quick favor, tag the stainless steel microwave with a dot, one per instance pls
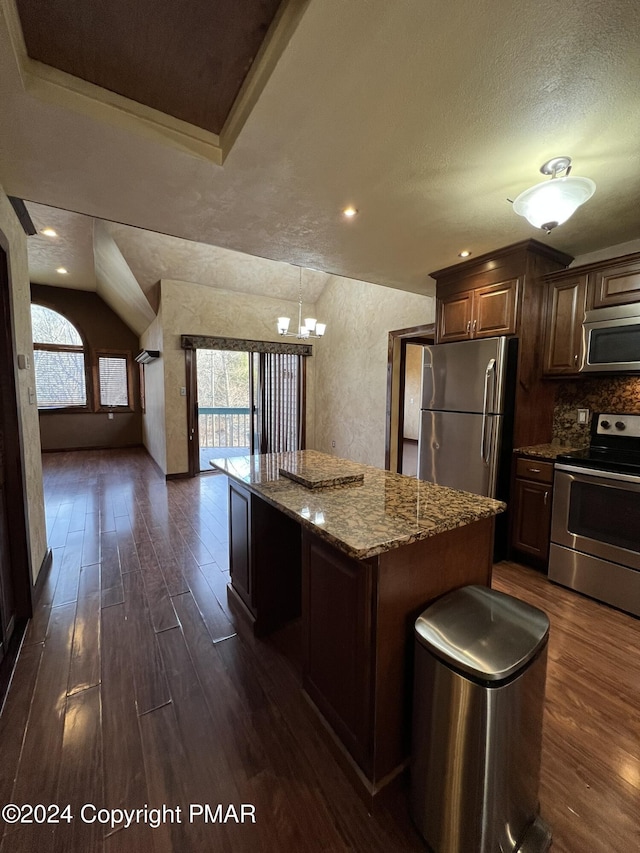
(611, 340)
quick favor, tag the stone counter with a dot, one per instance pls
(549, 451)
(381, 512)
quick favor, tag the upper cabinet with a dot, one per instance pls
(480, 313)
(573, 292)
(618, 283)
(563, 342)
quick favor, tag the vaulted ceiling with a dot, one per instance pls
(425, 116)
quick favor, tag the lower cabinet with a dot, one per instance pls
(531, 511)
(264, 560)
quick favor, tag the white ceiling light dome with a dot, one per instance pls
(550, 203)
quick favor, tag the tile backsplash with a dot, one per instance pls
(616, 394)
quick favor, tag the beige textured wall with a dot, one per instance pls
(191, 309)
(153, 419)
(412, 382)
(351, 364)
(13, 241)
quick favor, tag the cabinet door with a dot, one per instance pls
(240, 564)
(563, 348)
(454, 317)
(617, 285)
(532, 523)
(494, 309)
(337, 594)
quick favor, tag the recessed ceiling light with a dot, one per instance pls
(464, 253)
(349, 211)
(49, 232)
(62, 271)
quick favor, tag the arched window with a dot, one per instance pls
(59, 360)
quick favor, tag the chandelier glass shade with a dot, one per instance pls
(550, 203)
(311, 328)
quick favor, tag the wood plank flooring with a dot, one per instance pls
(134, 687)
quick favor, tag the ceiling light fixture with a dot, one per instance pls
(464, 253)
(550, 203)
(349, 212)
(49, 232)
(311, 327)
(62, 271)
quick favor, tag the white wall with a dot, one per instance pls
(351, 364)
(13, 241)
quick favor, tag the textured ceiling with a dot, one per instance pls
(187, 59)
(425, 116)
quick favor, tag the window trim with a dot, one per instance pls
(103, 352)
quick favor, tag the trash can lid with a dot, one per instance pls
(482, 632)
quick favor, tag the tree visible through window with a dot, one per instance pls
(59, 360)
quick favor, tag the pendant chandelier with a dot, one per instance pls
(309, 329)
(550, 203)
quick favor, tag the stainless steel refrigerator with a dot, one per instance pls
(466, 422)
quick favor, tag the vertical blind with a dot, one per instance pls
(280, 402)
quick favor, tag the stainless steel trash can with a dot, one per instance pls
(480, 671)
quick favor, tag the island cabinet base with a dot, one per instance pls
(357, 621)
(264, 561)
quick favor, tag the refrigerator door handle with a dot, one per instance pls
(485, 446)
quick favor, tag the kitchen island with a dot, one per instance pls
(356, 553)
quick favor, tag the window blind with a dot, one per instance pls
(112, 375)
(60, 379)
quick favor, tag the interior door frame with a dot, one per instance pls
(396, 365)
(14, 476)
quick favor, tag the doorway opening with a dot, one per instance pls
(404, 371)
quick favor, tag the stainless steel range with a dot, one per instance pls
(595, 526)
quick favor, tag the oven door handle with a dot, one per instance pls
(597, 473)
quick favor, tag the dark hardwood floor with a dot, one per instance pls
(134, 689)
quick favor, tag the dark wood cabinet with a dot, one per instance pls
(618, 283)
(563, 340)
(480, 313)
(504, 293)
(264, 561)
(454, 317)
(572, 292)
(531, 511)
(494, 309)
(240, 567)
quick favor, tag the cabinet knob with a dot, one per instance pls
(546, 495)
(474, 325)
(535, 470)
(575, 359)
(468, 325)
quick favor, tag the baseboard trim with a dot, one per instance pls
(184, 475)
(92, 447)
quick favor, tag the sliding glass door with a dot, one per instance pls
(244, 397)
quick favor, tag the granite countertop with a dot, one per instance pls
(381, 512)
(546, 451)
